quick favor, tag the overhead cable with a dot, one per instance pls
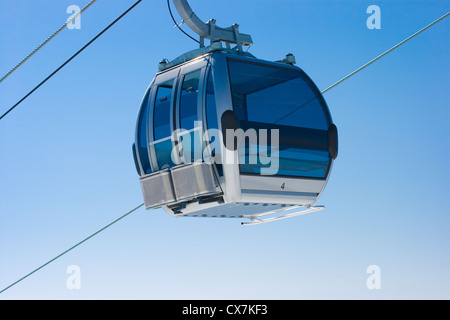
(71, 248)
(70, 59)
(75, 16)
(386, 52)
(178, 25)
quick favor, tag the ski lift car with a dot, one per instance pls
(221, 133)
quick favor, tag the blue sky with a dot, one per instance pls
(66, 168)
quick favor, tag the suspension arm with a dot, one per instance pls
(209, 30)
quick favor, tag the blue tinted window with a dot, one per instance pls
(163, 150)
(188, 101)
(161, 125)
(191, 142)
(291, 161)
(161, 121)
(142, 142)
(266, 97)
(276, 95)
(296, 105)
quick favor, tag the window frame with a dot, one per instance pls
(177, 73)
(169, 108)
(191, 67)
(199, 114)
(160, 79)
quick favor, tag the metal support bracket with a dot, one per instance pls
(255, 219)
(210, 30)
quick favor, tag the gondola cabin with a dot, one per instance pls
(229, 135)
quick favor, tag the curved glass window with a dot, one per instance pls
(161, 114)
(188, 100)
(142, 140)
(190, 126)
(270, 98)
(161, 125)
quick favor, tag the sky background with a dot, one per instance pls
(66, 167)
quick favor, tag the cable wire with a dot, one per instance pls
(71, 248)
(177, 25)
(366, 65)
(118, 219)
(386, 52)
(70, 59)
(47, 40)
